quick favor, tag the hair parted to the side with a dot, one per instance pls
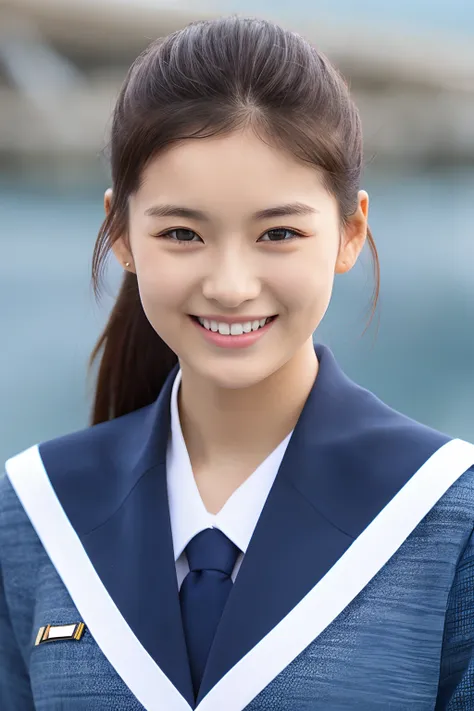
(209, 79)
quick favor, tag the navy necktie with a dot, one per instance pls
(203, 594)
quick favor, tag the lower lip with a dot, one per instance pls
(242, 341)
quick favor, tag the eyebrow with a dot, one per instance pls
(293, 208)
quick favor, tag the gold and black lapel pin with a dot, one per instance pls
(55, 633)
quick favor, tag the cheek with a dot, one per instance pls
(306, 284)
(162, 287)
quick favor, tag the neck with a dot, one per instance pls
(222, 424)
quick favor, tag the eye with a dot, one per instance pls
(279, 234)
(181, 235)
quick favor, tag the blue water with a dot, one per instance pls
(451, 16)
(420, 360)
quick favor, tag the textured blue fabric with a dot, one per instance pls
(348, 456)
(60, 676)
(405, 643)
(203, 594)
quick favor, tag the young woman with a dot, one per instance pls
(242, 526)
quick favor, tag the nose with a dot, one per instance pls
(231, 280)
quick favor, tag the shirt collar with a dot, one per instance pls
(239, 515)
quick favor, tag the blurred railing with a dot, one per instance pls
(61, 64)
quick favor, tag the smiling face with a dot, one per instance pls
(225, 232)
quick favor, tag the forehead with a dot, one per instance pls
(235, 170)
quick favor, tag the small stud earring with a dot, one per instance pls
(127, 264)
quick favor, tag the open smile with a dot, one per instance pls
(233, 333)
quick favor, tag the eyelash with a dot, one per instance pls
(167, 235)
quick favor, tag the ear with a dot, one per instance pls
(120, 247)
(354, 235)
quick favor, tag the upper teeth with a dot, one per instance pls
(234, 329)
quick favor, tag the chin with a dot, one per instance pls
(234, 376)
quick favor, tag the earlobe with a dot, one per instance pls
(343, 265)
(349, 253)
(123, 255)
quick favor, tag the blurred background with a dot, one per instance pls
(411, 69)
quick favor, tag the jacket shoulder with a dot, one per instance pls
(394, 435)
(108, 442)
(112, 438)
(100, 463)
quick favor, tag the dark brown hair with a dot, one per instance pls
(211, 78)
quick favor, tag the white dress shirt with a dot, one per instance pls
(238, 517)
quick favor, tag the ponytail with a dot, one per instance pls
(135, 361)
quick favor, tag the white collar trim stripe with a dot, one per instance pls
(352, 572)
(108, 627)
